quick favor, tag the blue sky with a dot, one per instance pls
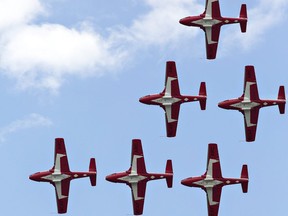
(76, 69)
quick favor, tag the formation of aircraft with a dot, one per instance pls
(249, 103)
(60, 175)
(210, 21)
(212, 181)
(170, 98)
(136, 176)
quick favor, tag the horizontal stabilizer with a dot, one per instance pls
(243, 14)
(169, 174)
(92, 171)
(281, 96)
(202, 92)
(244, 176)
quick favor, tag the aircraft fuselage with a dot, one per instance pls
(167, 100)
(50, 176)
(204, 21)
(129, 178)
(209, 182)
(241, 104)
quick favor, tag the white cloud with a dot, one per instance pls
(264, 16)
(39, 56)
(161, 25)
(33, 120)
(15, 12)
(43, 55)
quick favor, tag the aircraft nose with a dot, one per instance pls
(143, 100)
(32, 177)
(221, 105)
(183, 21)
(110, 178)
(185, 182)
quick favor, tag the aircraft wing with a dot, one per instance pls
(251, 120)
(138, 196)
(212, 8)
(137, 158)
(250, 91)
(213, 162)
(171, 80)
(213, 200)
(62, 194)
(171, 116)
(60, 157)
(212, 38)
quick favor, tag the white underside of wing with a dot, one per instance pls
(210, 167)
(168, 110)
(207, 23)
(208, 31)
(57, 167)
(58, 186)
(135, 192)
(209, 7)
(247, 90)
(246, 106)
(168, 89)
(209, 192)
(209, 173)
(134, 168)
(247, 114)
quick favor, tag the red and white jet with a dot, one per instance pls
(210, 21)
(212, 181)
(170, 98)
(249, 103)
(136, 176)
(60, 175)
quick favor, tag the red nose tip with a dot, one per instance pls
(185, 182)
(143, 100)
(110, 178)
(183, 21)
(32, 177)
(221, 105)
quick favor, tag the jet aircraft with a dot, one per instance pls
(60, 175)
(136, 176)
(170, 98)
(249, 103)
(210, 21)
(212, 181)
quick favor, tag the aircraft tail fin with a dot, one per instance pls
(281, 96)
(169, 173)
(243, 15)
(244, 176)
(92, 171)
(202, 92)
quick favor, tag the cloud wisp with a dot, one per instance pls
(31, 121)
